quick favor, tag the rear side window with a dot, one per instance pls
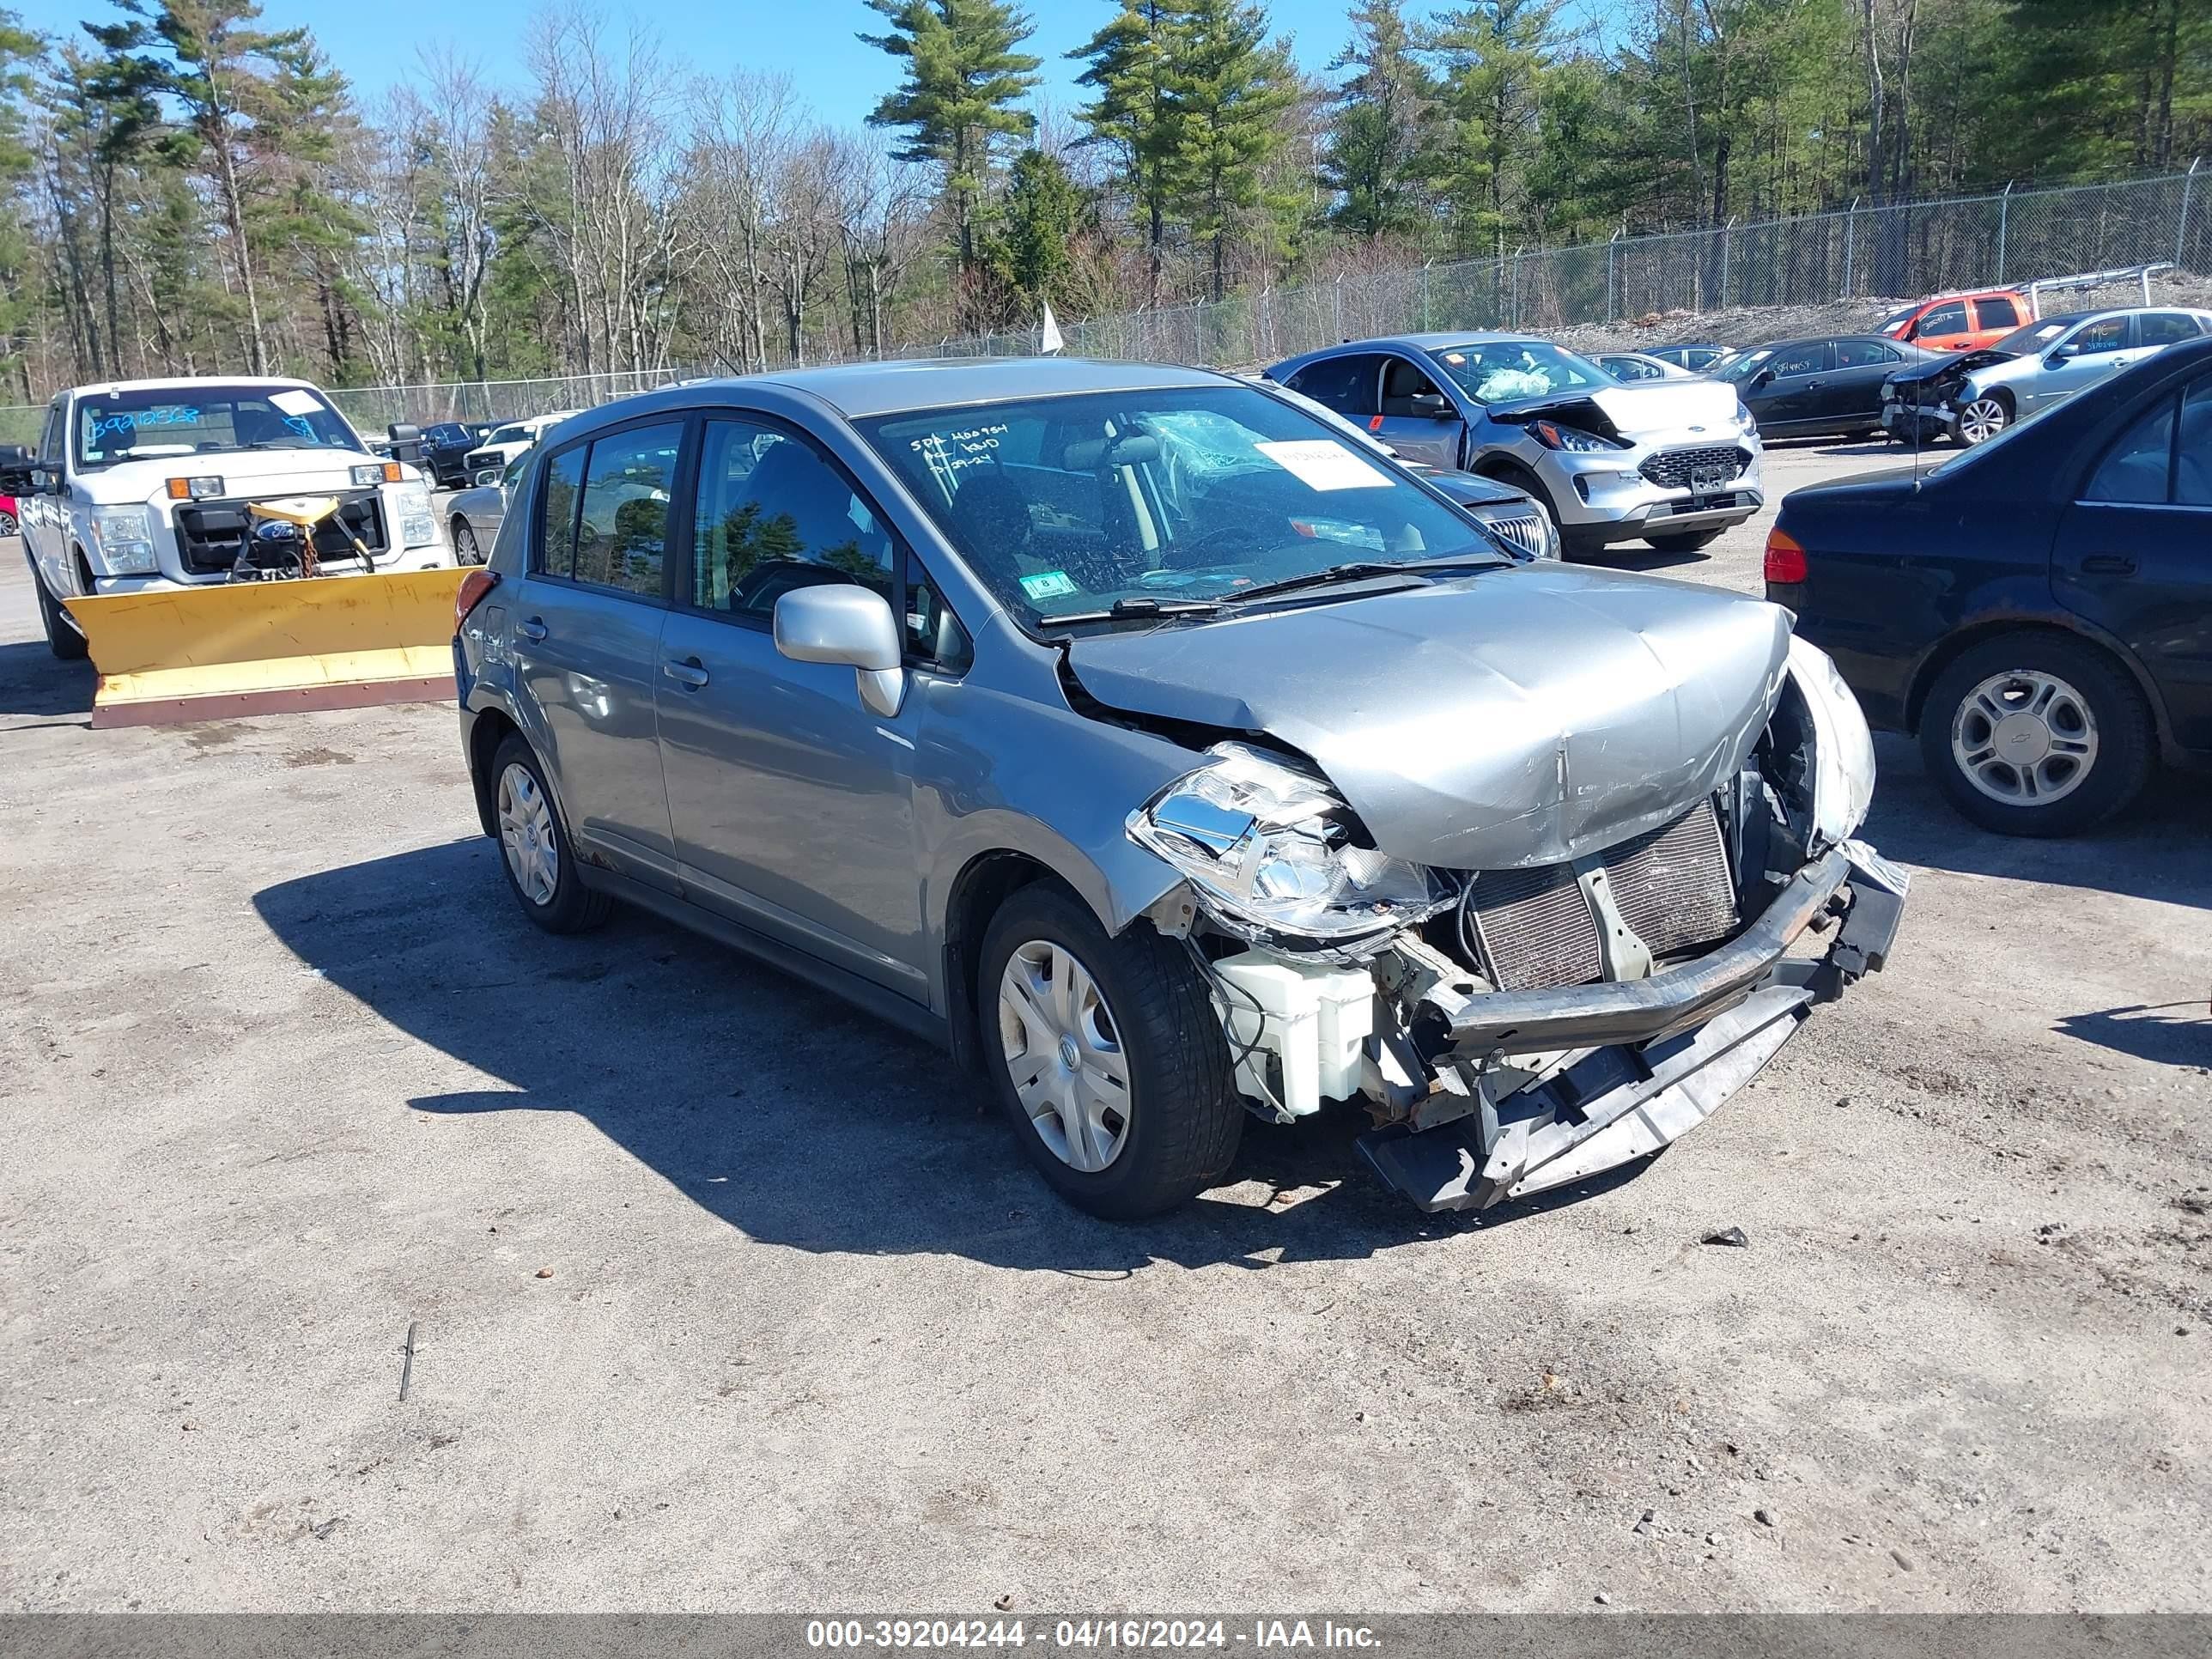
(1346, 384)
(2166, 327)
(554, 553)
(773, 514)
(1864, 353)
(621, 531)
(1997, 312)
(1949, 318)
(2137, 469)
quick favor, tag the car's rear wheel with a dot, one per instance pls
(2036, 734)
(1982, 418)
(1688, 541)
(1107, 1057)
(8, 527)
(62, 637)
(465, 542)
(542, 871)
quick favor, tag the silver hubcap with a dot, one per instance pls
(1983, 419)
(1064, 1053)
(2024, 737)
(464, 541)
(525, 836)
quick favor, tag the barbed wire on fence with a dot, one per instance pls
(1893, 249)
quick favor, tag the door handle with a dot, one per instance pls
(2108, 564)
(690, 672)
(530, 628)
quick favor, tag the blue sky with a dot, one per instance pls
(811, 40)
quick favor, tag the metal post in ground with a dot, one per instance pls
(2004, 215)
(1611, 256)
(2181, 231)
(1340, 305)
(1850, 240)
(1727, 235)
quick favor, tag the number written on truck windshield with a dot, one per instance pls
(203, 420)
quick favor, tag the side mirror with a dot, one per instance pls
(45, 482)
(1761, 380)
(1434, 404)
(406, 442)
(16, 478)
(2065, 354)
(845, 624)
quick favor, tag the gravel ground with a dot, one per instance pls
(726, 1298)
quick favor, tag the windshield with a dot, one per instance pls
(1742, 365)
(1063, 506)
(1504, 371)
(511, 435)
(1899, 317)
(213, 419)
(2023, 340)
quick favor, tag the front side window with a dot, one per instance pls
(2137, 469)
(1950, 317)
(775, 514)
(2105, 334)
(934, 638)
(622, 524)
(1346, 384)
(2192, 448)
(1864, 353)
(207, 418)
(1504, 371)
(1188, 495)
(1402, 382)
(1631, 368)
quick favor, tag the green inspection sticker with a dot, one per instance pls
(1049, 585)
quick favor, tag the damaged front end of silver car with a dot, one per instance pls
(1516, 1027)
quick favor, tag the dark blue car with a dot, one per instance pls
(2038, 610)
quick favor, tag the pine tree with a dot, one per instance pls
(1042, 207)
(963, 81)
(1492, 57)
(1379, 122)
(1138, 112)
(1231, 85)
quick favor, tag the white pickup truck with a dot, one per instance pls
(141, 485)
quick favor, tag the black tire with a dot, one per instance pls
(1688, 542)
(465, 550)
(2118, 724)
(569, 906)
(1996, 413)
(8, 525)
(62, 637)
(1184, 1118)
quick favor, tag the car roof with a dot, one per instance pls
(190, 382)
(858, 391)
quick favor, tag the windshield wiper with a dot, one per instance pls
(1359, 568)
(1137, 610)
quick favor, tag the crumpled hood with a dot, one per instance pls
(1516, 717)
(1653, 410)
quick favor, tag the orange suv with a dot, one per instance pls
(1960, 322)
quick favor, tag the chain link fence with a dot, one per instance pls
(1903, 249)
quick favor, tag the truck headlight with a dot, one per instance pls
(418, 525)
(1271, 850)
(1745, 420)
(1843, 748)
(124, 537)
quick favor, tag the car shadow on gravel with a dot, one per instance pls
(796, 1119)
(37, 685)
(2160, 848)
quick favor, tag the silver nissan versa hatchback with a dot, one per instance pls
(1167, 757)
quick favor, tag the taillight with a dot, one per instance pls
(474, 586)
(1785, 559)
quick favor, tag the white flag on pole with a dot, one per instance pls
(1050, 341)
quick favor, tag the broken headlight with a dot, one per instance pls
(1271, 850)
(1843, 748)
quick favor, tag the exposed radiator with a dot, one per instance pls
(1533, 929)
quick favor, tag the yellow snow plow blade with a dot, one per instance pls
(262, 648)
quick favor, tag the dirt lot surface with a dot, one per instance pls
(725, 1298)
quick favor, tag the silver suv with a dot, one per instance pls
(1670, 462)
(1169, 759)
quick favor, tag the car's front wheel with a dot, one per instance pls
(1106, 1055)
(62, 637)
(2036, 734)
(8, 527)
(465, 542)
(1982, 418)
(541, 866)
